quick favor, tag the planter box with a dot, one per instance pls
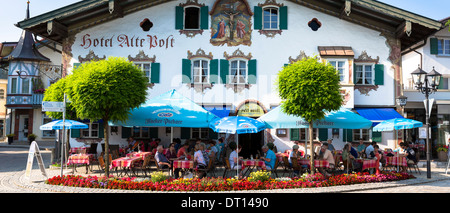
(442, 156)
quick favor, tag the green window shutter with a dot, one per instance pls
(224, 70)
(252, 71)
(212, 134)
(185, 133)
(294, 134)
(348, 135)
(323, 134)
(204, 18)
(283, 11)
(126, 132)
(154, 78)
(186, 78)
(354, 72)
(153, 132)
(75, 65)
(441, 83)
(285, 65)
(101, 130)
(434, 46)
(75, 133)
(257, 14)
(179, 18)
(214, 71)
(379, 74)
(376, 137)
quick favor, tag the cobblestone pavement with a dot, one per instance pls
(13, 165)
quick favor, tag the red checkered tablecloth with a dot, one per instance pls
(317, 163)
(183, 164)
(367, 163)
(252, 163)
(124, 162)
(400, 161)
(80, 159)
(78, 150)
(139, 154)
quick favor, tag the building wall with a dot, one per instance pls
(271, 53)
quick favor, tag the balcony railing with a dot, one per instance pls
(24, 100)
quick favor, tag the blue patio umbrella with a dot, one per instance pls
(170, 109)
(339, 119)
(397, 124)
(236, 125)
(68, 124)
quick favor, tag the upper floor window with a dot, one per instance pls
(200, 71)
(192, 18)
(364, 74)
(270, 18)
(443, 47)
(340, 66)
(13, 88)
(146, 68)
(238, 72)
(91, 132)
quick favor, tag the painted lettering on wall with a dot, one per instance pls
(124, 40)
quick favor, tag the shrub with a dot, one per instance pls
(158, 177)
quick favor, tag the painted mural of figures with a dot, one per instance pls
(240, 29)
(220, 30)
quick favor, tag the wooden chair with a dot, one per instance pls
(160, 169)
(142, 166)
(296, 167)
(275, 167)
(414, 165)
(210, 168)
(287, 167)
(227, 167)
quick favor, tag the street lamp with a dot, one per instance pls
(427, 83)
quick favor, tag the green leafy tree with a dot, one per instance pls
(309, 88)
(106, 90)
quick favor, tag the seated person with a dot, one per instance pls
(269, 157)
(199, 159)
(163, 162)
(325, 154)
(183, 151)
(410, 154)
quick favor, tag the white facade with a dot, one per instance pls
(169, 47)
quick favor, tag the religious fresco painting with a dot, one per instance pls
(231, 23)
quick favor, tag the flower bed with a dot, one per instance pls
(221, 184)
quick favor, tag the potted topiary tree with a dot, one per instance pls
(10, 138)
(31, 138)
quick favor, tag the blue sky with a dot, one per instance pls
(13, 11)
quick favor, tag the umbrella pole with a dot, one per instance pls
(237, 164)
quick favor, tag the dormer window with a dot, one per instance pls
(191, 18)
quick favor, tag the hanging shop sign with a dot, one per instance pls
(250, 109)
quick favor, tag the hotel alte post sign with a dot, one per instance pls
(250, 109)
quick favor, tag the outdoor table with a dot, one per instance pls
(78, 150)
(396, 161)
(76, 159)
(317, 163)
(139, 154)
(184, 165)
(125, 163)
(281, 155)
(367, 163)
(251, 164)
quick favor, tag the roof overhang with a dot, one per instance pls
(408, 27)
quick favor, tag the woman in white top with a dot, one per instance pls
(234, 155)
(198, 155)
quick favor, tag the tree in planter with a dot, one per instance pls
(308, 89)
(107, 90)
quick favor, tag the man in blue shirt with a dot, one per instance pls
(269, 158)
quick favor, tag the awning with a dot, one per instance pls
(377, 115)
(220, 112)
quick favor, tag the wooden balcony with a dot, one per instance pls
(24, 101)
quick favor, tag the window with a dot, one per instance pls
(361, 133)
(47, 133)
(200, 71)
(192, 18)
(26, 86)
(91, 132)
(238, 72)
(200, 132)
(443, 47)
(270, 18)
(304, 134)
(141, 132)
(364, 74)
(146, 68)
(2, 94)
(340, 66)
(13, 85)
